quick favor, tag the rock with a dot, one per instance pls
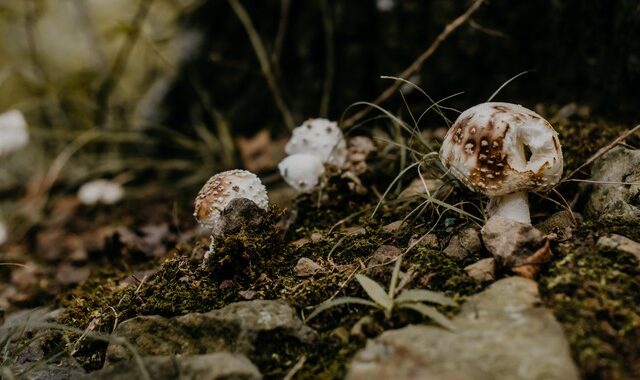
(482, 271)
(616, 202)
(502, 333)
(463, 244)
(307, 267)
(236, 327)
(516, 245)
(426, 240)
(417, 187)
(241, 213)
(620, 243)
(383, 255)
(216, 366)
(393, 226)
(359, 149)
(66, 369)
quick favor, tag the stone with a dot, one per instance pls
(216, 366)
(417, 187)
(307, 267)
(394, 226)
(616, 202)
(383, 255)
(620, 243)
(502, 333)
(515, 245)
(427, 240)
(483, 270)
(237, 327)
(463, 244)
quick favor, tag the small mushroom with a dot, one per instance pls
(504, 151)
(13, 132)
(100, 191)
(301, 171)
(223, 188)
(319, 137)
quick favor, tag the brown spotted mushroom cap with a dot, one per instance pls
(221, 189)
(502, 148)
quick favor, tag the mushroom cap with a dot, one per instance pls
(301, 171)
(321, 138)
(221, 189)
(486, 149)
(100, 191)
(13, 132)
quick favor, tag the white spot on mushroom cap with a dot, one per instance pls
(302, 171)
(100, 191)
(510, 127)
(13, 132)
(221, 189)
(319, 137)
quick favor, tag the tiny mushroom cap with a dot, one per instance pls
(504, 151)
(221, 189)
(319, 137)
(100, 191)
(13, 132)
(301, 171)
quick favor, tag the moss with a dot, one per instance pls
(595, 294)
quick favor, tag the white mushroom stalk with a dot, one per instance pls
(13, 132)
(504, 151)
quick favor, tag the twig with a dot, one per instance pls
(297, 367)
(601, 152)
(327, 19)
(263, 58)
(120, 62)
(446, 32)
(282, 29)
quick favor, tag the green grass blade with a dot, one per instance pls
(423, 295)
(432, 313)
(339, 301)
(375, 291)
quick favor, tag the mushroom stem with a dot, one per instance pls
(514, 206)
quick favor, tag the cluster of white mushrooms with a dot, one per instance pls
(314, 144)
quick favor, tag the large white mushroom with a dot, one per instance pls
(319, 137)
(504, 151)
(301, 171)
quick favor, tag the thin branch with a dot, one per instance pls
(263, 59)
(282, 30)
(415, 66)
(121, 60)
(327, 21)
(601, 152)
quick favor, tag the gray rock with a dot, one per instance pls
(502, 333)
(519, 246)
(614, 202)
(305, 267)
(620, 243)
(236, 328)
(426, 240)
(482, 271)
(463, 244)
(217, 366)
(383, 255)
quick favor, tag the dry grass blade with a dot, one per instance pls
(601, 152)
(446, 32)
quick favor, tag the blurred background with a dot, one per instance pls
(160, 94)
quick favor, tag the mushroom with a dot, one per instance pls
(220, 190)
(301, 171)
(100, 191)
(13, 132)
(503, 150)
(319, 137)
